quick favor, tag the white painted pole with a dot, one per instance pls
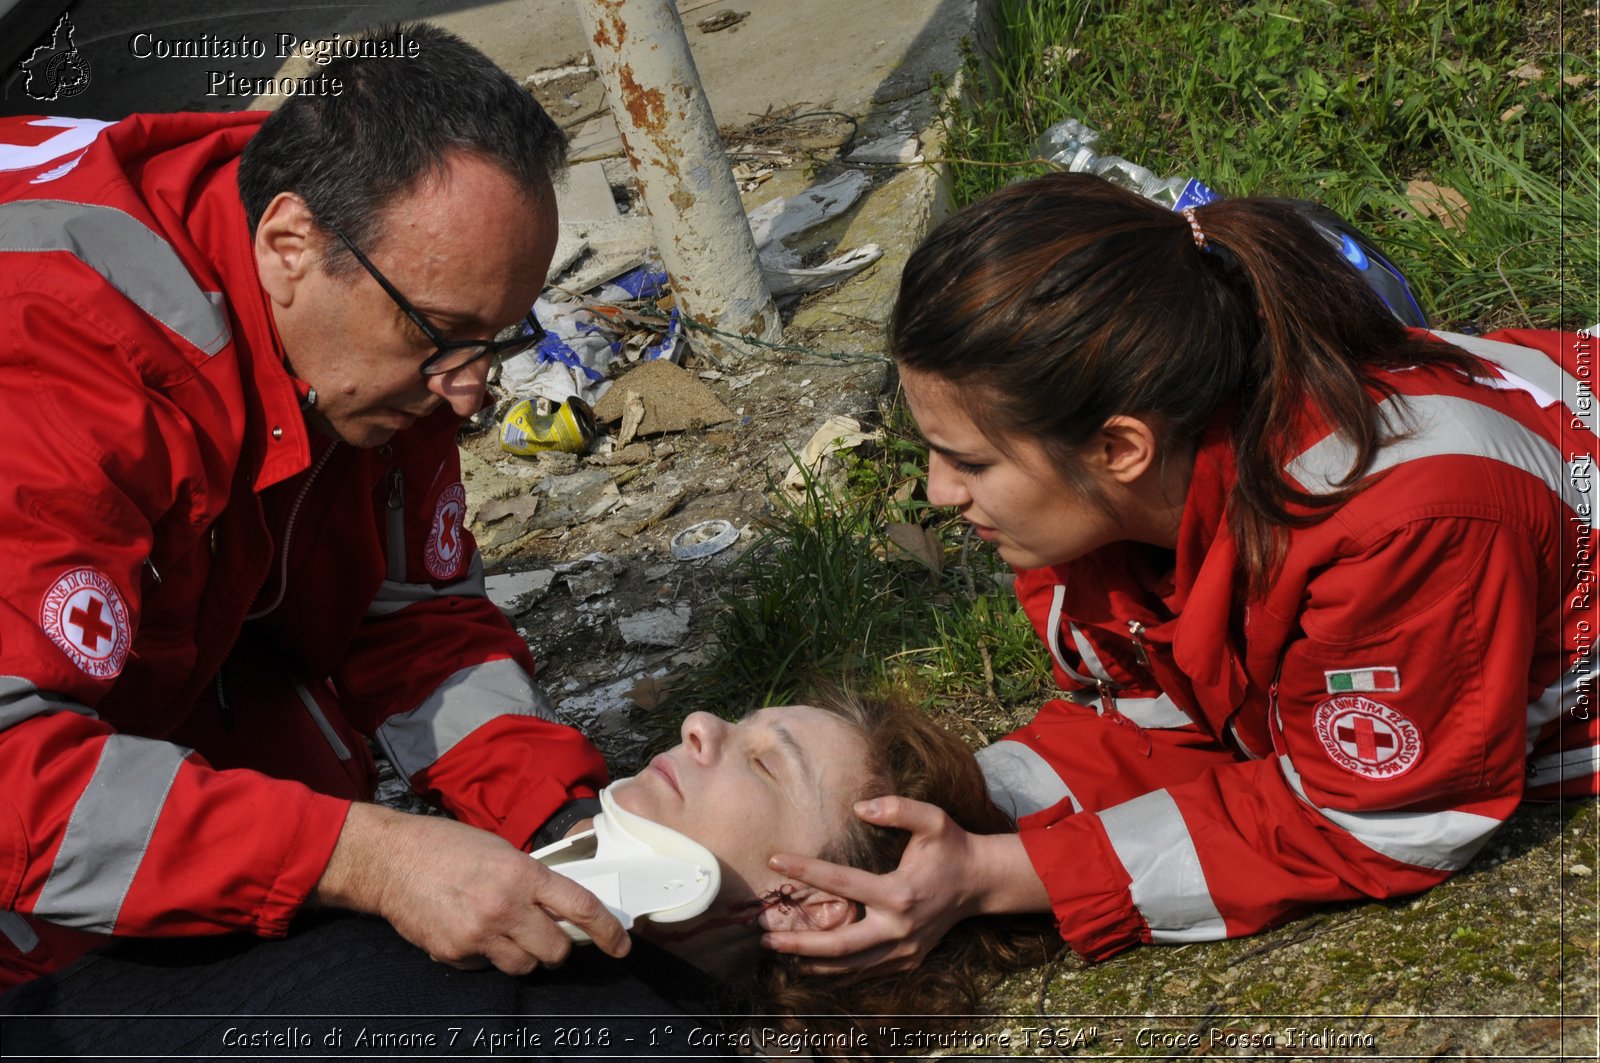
(671, 140)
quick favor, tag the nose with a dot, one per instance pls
(463, 388)
(945, 485)
(703, 735)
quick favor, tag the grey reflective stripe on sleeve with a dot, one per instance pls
(108, 833)
(394, 596)
(464, 702)
(1442, 841)
(1020, 781)
(1168, 886)
(1563, 765)
(320, 718)
(1559, 696)
(1534, 366)
(16, 930)
(21, 700)
(132, 258)
(1442, 425)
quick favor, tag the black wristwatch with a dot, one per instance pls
(555, 828)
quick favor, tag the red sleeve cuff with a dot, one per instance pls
(1087, 885)
(321, 821)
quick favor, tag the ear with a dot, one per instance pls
(285, 246)
(806, 908)
(1125, 449)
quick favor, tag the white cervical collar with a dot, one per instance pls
(637, 867)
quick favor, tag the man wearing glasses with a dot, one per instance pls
(233, 358)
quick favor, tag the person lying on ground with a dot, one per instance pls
(780, 779)
(1317, 589)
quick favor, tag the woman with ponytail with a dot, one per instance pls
(1315, 587)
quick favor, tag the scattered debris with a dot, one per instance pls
(721, 20)
(703, 539)
(892, 149)
(775, 221)
(656, 627)
(517, 592)
(837, 433)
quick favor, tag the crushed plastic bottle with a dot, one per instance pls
(1068, 143)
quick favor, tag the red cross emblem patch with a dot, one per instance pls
(445, 555)
(83, 613)
(1368, 737)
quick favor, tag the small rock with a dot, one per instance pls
(516, 592)
(1581, 870)
(556, 462)
(656, 627)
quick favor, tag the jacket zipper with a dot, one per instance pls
(288, 533)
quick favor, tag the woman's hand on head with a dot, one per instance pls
(945, 875)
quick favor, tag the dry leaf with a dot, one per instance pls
(1575, 81)
(648, 693)
(1512, 112)
(921, 544)
(522, 507)
(1437, 201)
(1528, 72)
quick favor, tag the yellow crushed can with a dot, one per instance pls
(533, 425)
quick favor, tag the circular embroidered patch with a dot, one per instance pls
(1368, 737)
(83, 613)
(444, 554)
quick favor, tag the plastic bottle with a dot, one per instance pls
(1068, 144)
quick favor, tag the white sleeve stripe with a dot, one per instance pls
(394, 596)
(1021, 781)
(1169, 887)
(21, 700)
(1440, 841)
(1563, 765)
(1441, 426)
(108, 833)
(1534, 366)
(462, 703)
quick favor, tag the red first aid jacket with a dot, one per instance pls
(1424, 659)
(160, 486)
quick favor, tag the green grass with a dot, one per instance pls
(1343, 102)
(824, 594)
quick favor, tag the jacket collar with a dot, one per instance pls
(277, 441)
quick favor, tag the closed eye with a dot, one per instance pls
(966, 469)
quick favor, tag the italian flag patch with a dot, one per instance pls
(1362, 680)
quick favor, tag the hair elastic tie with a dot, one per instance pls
(1194, 227)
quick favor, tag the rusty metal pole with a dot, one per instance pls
(671, 141)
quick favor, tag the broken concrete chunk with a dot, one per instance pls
(517, 592)
(656, 627)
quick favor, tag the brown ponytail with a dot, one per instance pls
(1062, 301)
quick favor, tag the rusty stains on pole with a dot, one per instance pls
(671, 141)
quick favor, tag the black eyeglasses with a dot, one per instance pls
(450, 355)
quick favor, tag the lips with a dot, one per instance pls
(663, 767)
